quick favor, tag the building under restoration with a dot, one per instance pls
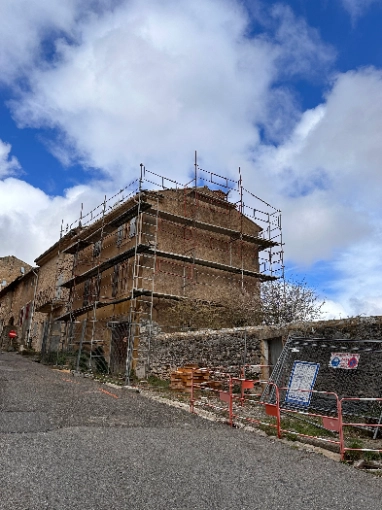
(118, 268)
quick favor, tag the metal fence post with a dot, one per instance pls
(230, 403)
(278, 413)
(340, 428)
(192, 392)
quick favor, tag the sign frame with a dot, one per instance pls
(297, 395)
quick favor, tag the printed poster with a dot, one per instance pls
(301, 382)
(346, 360)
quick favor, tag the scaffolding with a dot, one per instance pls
(159, 240)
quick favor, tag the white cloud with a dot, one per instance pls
(303, 51)
(359, 278)
(30, 220)
(8, 164)
(28, 29)
(23, 26)
(357, 8)
(153, 82)
(328, 172)
(333, 310)
(328, 180)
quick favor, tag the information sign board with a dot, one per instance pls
(301, 382)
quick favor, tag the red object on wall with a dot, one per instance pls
(12, 334)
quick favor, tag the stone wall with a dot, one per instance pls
(225, 348)
(362, 328)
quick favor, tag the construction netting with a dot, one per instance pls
(347, 368)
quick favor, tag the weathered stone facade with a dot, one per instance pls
(16, 309)
(29, 304)
(130, 262)
(11, 268)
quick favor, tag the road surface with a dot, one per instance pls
(69, 443)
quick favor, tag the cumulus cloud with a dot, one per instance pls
(8, 164)
(30, 220)
(302, 50)
(153, 82)
(28, 29)
(358, 285)
(327, 176)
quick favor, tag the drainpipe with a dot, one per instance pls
(32, 311)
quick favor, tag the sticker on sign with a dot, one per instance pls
(346, 360)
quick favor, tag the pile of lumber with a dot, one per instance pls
(182, 378)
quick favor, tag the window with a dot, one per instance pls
(97, 287)
(133, 227)
(114, 281)
(21, 316)
(120, 235)
(124, 278)
(92, 289)
(60, 281)
(86, 297)
(97, 249)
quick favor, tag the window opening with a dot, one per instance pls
(133, 227)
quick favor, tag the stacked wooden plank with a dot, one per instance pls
(182, 378)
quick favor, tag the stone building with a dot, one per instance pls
(12, 271)
(11, 268)
(156, 248)
(30, 303)
(112, 279)
(16, 309)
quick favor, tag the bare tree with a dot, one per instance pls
(289, 301)
(241, 308)
(196, 313)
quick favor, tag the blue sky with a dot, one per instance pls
(289, 91)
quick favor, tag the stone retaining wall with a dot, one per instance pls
(225, 348)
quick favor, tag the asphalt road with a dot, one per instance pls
(65, 443)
